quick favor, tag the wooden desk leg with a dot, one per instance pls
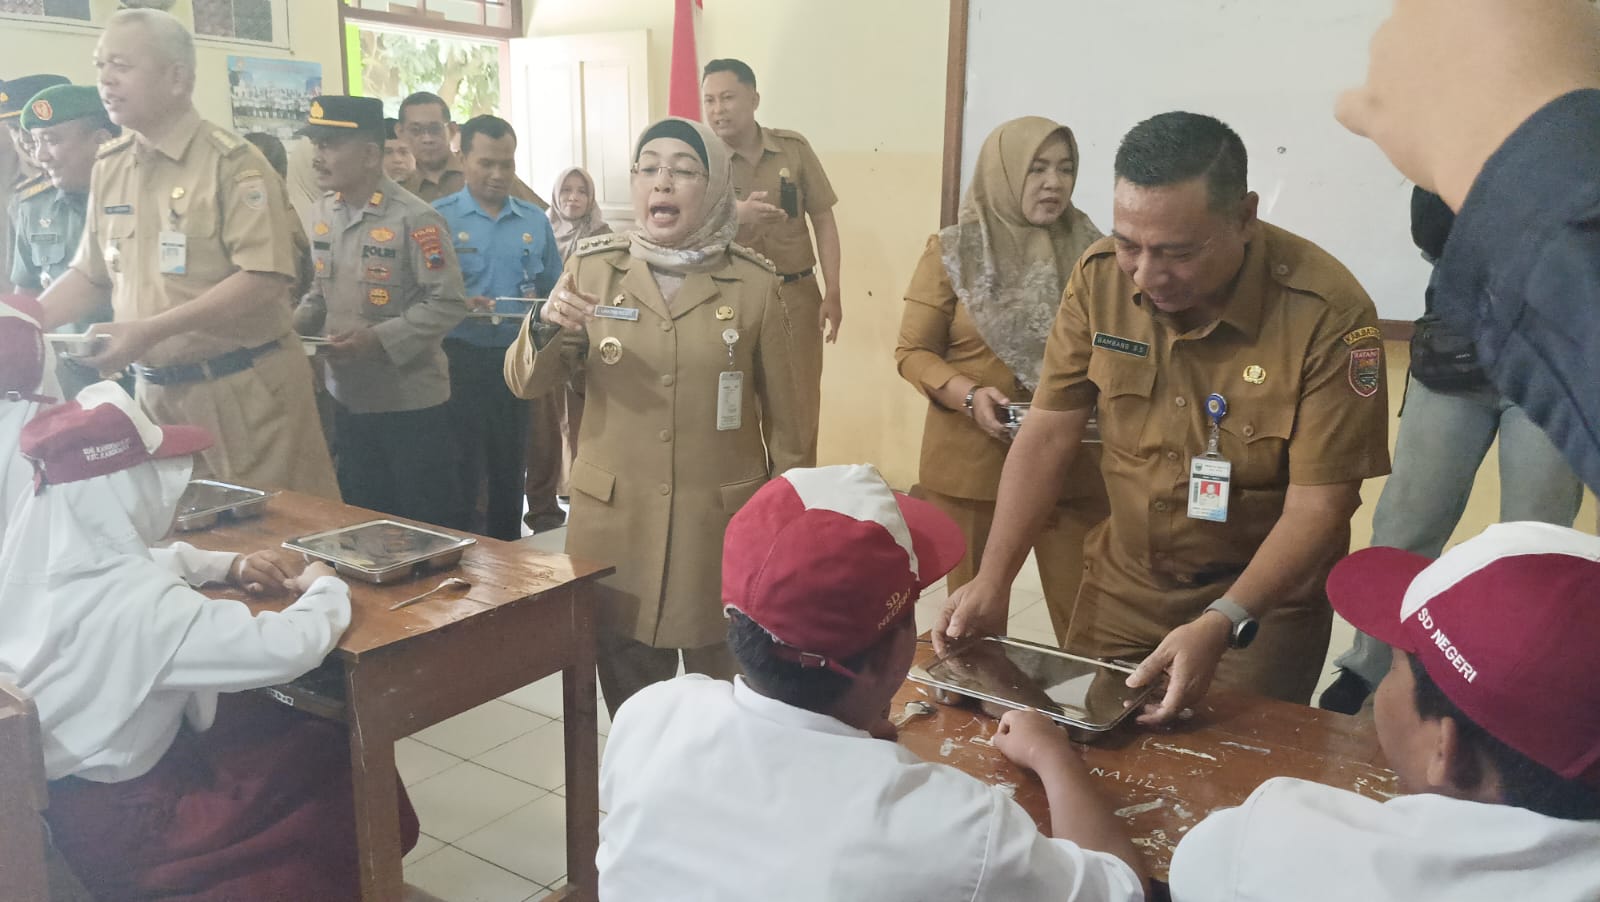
(583, 757)
(376, 793)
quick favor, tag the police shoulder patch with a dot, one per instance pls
(600, 243)
(753, 256)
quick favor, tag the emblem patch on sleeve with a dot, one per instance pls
(1366, 369)
(431, 243)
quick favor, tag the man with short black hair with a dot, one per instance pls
(425, 125)
(777, 786)
(780, 184)
(1216, 349)
(398, 163)
(507, 249)
(386, 290)
(1490, 714)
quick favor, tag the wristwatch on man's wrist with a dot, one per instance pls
(971, 393)
(1244, 627)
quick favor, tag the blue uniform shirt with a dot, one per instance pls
(512, 255)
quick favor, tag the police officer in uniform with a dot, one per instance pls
(386, 289)
(190, 232)
(19, 171)
(780, 184)
(692, 405)
(1238, 372)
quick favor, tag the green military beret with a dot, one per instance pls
(16, 92)
(62, 103)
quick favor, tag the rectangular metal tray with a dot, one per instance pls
(205, 501)
(1084, 694)
(382, 551)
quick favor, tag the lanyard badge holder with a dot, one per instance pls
(1211, 473)
(730, 389)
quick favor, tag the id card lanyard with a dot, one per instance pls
(730, 389)
(173, 244)
(1210, 473)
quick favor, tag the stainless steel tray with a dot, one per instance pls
(1086, 695)
(382, 551)
(205, 501)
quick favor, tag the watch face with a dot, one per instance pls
(1244, 633)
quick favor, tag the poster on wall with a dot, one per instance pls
(231, 21)
(272, 95)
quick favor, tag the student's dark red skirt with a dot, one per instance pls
(256, 809)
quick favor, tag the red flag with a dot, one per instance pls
(683, 96)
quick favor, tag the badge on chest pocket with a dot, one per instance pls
(174, 253)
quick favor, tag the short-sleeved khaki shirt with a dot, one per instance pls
(216, 189)
(787, 244)
(1298, 357)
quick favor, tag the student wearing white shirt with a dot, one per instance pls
(1490, 715)
(22, 366)
(775, 786)
(161, 785)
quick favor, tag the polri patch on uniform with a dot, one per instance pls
(378, 297)
(1366, 366)
(320, 228)
(321, 245)
(431, 243)
(1121, 345)
(1362, 334)
(381, 235)
(119, 210)
(377, 272)
(368, 250)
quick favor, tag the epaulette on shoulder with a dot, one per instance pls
(226, 141)
(33, 188)
(601, 243)
(785, 133)
(740, 250)
(115, 145)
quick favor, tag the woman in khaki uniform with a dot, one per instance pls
(692, 404)
(978, 311)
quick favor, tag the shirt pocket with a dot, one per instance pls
(1125, 385)
(47, 251)
(1256, 441)
(593, 481)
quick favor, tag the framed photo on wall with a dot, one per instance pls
(263, 23)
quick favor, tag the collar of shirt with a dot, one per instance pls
(1245, 295)
(788, 715)
(176, 141)
(376, 203)
(508, 207)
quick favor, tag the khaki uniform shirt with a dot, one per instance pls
(216, 189)
(387, 265)
(1296, 354)
(939, 341)
(454, 178)
(655, 480)
(786, 244)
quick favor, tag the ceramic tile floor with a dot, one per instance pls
(487, 784)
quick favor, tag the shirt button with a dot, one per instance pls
(1181, 402)
(1161, 507)
(1172, 455)
(666, 379)
(664, 435)
(664, 489)
(1281, 269)
(1248, 431)
(666, 327)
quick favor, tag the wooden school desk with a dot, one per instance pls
(1163, 782)
(527, 615)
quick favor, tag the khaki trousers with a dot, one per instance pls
(544, 463)
(802, 298)
(263, 421)
(1058, 548)
(627, 665)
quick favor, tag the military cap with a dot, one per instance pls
(16, 92)
(62, 103)
(334, 115)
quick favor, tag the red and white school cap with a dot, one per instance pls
(22, 353)
(827, 560)
(1506, 623)
(101, 431)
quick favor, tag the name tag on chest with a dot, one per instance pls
(1208, 488)
(174, 253)
(730, 401)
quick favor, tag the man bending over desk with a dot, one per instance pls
(1491, 716)
(774, 786)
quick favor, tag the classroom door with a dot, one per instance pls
(579, 100)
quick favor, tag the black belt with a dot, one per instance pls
(788, 277)
(215, 368)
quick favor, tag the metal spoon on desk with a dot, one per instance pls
(454, 582)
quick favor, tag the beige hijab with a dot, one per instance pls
(571, 231)
(704, 248)
(1007, 271)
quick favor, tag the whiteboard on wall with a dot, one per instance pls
(1271, 69)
